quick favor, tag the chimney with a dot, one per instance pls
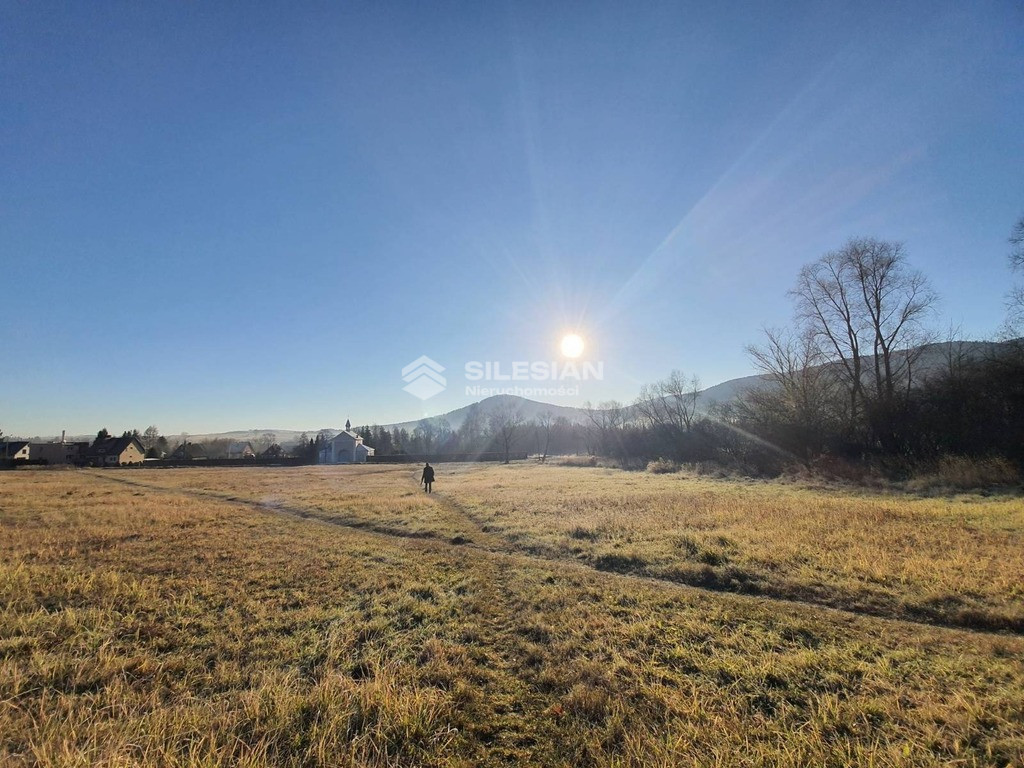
(62, 436)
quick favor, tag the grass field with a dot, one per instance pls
(523, 615)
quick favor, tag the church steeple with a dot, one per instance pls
(348, 425)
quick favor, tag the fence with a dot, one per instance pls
(441, 458)
(288, 461)
(405, 458)
(15, 463)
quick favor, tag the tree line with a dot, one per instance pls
(502, 431)
(861, 374)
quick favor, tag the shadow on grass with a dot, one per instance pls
(951, 611)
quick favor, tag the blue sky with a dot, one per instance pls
(218, 216)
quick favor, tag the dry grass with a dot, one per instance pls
(575, 461)
(964, 473)
(177, 627)
(957, 560)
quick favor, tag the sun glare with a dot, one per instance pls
(572, 345)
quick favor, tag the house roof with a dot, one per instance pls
(11, 447)
(239, 447)
(115, 446)
(189, 450)
(347, 433)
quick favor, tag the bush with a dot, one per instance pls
(578, 461)
(838, 469)
(629, 464)
(717, 469)
(964, 472)
(662, 467)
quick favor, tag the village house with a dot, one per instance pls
(15, 450)
(241, 451)
(187, 451)
(116, 451)
(345, 448)
(60, 452)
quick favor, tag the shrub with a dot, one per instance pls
(629, 464)
(836, 468)
(964, 472)
(578, 461)
(662, 467)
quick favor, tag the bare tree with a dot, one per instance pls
(545, 422)
(150, 436)
(866, 310)
(443, 433)
(957, 362)
(897, 300)
(264, 441)
(1017, 241)
(826, 312)
(795, 365)
(425, 433)
(1015, 298)
(504, 423)
(606, 419)
(801, 392)
(670, 403)
(471, 430)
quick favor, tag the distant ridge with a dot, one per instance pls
(933, 358)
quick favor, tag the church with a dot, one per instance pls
(345, 448)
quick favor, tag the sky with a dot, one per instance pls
(219, 216)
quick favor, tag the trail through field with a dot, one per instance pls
(504, 553)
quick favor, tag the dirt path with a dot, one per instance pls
(486, 544)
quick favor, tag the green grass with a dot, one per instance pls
(324, 617)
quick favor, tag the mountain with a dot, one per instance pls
(533, 409)
(728, 390)
(530, 409)
(932, 358)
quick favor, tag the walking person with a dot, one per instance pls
(427, 478)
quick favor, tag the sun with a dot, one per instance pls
(572, 345)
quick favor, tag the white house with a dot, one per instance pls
(114, 451)
(241, 451)
(15, 449)
(345, 448)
